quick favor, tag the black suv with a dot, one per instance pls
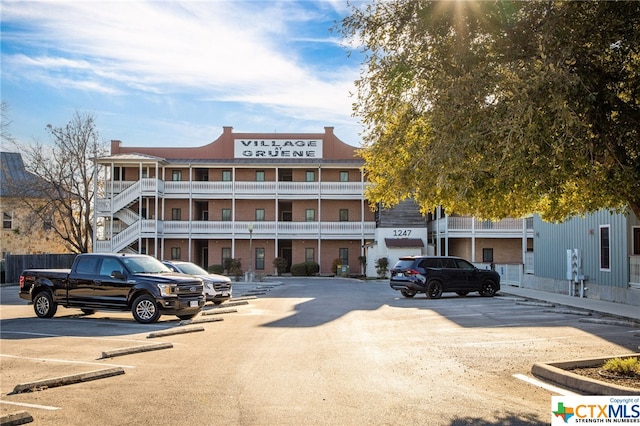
(435, 275)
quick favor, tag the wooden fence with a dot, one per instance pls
(14, 264)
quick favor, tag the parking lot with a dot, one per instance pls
(299, 351)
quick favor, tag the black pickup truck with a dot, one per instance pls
(114, 281)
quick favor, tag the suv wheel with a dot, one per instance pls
(434, 290)
(488, 289)
(407, 293)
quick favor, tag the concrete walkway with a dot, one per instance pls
(610, 309)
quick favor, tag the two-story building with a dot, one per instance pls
(247, 196)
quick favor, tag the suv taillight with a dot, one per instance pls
(411, 272)
(21, 281)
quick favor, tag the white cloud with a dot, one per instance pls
(216, 50)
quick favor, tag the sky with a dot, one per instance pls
(173, 73)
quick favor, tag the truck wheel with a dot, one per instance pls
(44, 306)
(434, 290)
(145, 309)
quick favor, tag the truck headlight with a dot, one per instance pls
(167, 289)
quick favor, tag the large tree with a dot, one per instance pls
(496, 108)
(65, 187)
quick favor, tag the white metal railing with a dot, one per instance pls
(226, 189)
(634, 271)
(127, 216)
(469, 224)
(510, 273)
(119, 240)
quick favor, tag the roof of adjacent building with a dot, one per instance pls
(15, 180)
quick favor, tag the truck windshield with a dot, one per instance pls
(145, 265)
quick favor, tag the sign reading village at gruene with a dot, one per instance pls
(279, 148)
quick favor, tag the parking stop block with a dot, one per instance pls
(18, 418)
(218, 311)
(67, 380)
(174, 331)
(136, 349)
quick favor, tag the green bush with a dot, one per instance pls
(280, 264)
(312, 268)
(299, 269)
(216, 269)
(306, 269)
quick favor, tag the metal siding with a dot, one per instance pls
(551, 242)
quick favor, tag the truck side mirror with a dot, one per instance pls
(117, 275)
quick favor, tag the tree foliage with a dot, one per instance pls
(66, 169)
(499, 108)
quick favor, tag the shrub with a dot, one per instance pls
(280, 263)
(623, 367)
(306, 269)
(312, 268)
(233, 267)
(381, 267)
(299, 270)
(216, 269)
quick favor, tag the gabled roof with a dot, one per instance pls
(15, 180)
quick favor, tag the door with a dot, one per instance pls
(469, 277)
(80, 283)
(110, 287)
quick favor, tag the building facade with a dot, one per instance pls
(23, 231)
(246, 196)
(606, 247)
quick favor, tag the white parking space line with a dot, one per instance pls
(71, 337)
(544, 385)
(65, 361)
(24, 404)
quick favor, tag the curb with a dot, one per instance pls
(17, 418)
(557, 373)
(67, 380)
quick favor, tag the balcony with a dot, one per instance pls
(467, 226)
(239, 189)
(240, 230)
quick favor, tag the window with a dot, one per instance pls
(226, 214)
(226, 254)
(343, 255)
(259, 175)
(260, 258)
(605, 248)
(309, 254)
(87, 264)
(344, 215)
(176, 214)
(636, 240)
(145, 173)
(47, 225)
(259, 214)
(226, 175)
(7, 220)
(311, 176)
(487, 255)
(176, 175)
(310, 215)
(175, 253)
(344, 176)
(108, 266)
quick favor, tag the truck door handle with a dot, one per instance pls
(97, 282)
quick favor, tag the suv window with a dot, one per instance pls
(403, 264)
(463, 264)
(429, 263)
(448, 263)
